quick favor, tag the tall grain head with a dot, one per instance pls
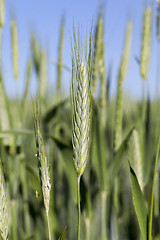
(81, 108)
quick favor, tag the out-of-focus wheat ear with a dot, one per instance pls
(0, 47)
(36, 53)
(42, 162)
(2, 12)
(103, 86)
(146, 43)
(118, 126)
(6, 122)
(97, 51)
(158, 21)
(15, 49)
(28, 76)
(121, 77)
(43, 74)
(126, 52)
(4, 207)
(137, 159)
(60, 56)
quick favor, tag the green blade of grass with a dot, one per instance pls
(139, 204)
(152, 196)
(61, 238)
(118, 158)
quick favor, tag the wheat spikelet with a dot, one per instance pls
(146, 43)
(4, 207)
(42, 160)
(2, 12)
(81, 115)
(15, 52)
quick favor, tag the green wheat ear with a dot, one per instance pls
(15, 51)
(42, 160)
(98, 51)
(146, 43)
(158, 21)
(42, 163)
(60, 55)
(81, 108)
(2, 12)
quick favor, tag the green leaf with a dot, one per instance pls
(152, 196)
(70, 172)
(118, 157)
(52, 112)
(139, 204)
(61, 238)
(10, 132)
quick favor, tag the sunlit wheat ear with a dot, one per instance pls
(4, 207)
(81, 110)
(146, 43)
(81, 119)
(15, 51)
(2, 12)
(42, 160)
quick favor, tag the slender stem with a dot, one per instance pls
(103, 216)
(87, 225)
(49, 231)
(79, 208)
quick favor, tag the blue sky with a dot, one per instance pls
(44, 18)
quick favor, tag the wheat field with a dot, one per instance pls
(84, 165)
